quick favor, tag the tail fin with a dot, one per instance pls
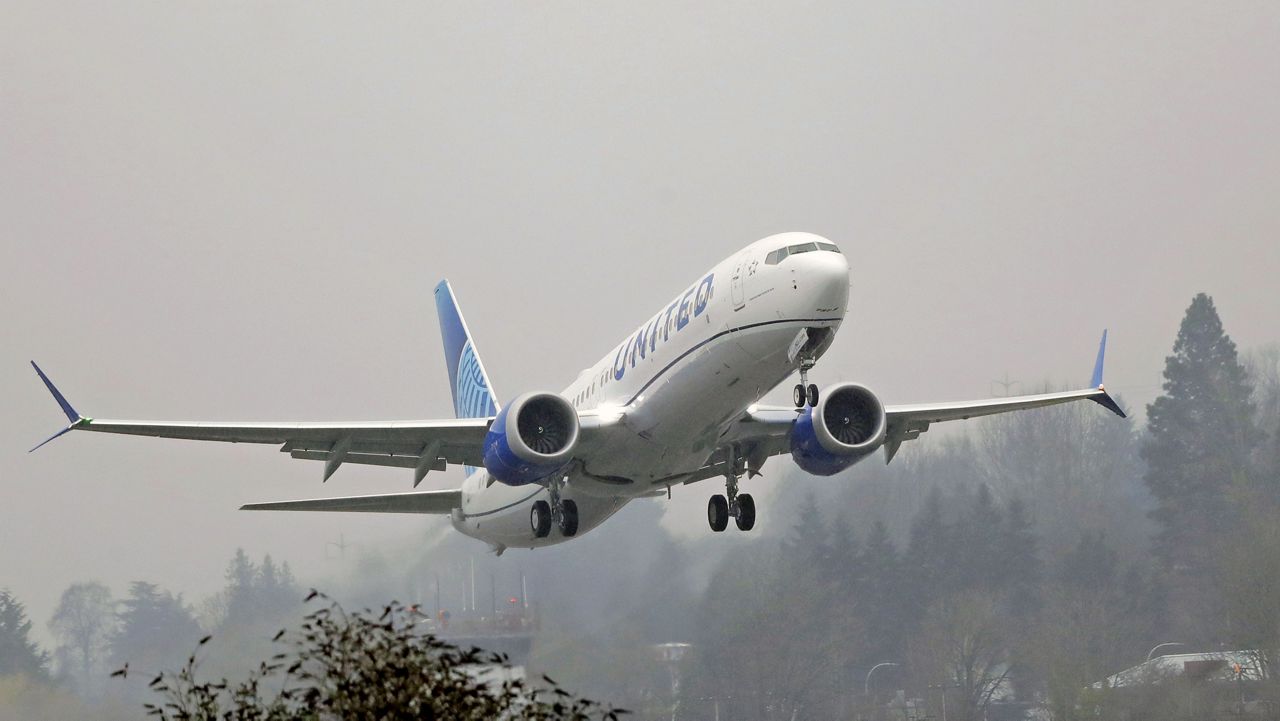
(472, 393)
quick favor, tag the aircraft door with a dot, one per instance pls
(735, 283)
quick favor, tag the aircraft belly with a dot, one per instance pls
(681, 418)
(495, 518)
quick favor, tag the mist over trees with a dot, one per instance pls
(19, 654)
(1004, 567)
(83, 624)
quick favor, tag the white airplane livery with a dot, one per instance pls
(675, 402)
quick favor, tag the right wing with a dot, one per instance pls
(435, 502)
(421, 445)
(764, 431)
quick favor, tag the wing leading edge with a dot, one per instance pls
(421, 445)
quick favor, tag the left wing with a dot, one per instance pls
(421, 445)
(764, 431)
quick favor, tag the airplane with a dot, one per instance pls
(676, 402)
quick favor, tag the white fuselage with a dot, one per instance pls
(677, 383)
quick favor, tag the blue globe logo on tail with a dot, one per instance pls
(471, 396)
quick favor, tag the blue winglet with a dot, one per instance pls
(1103, 398)
(1096, 382)
(62, 401)
(71, 427)
(75, 418)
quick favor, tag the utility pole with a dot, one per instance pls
(1005, 385)
(340, 544)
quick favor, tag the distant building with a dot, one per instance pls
(1214, 666)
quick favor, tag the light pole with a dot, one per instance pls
(943, 687)
(1162, 645)
(866, 683)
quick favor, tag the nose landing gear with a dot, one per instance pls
(805, 392)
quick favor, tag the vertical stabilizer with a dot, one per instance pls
(472, 393)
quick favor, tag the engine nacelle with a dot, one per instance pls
(532, 438)
(847, 425)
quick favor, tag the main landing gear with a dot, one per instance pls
(805, 392)
(740, 505)
(562, 512)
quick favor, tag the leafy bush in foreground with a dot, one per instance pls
(341, 665)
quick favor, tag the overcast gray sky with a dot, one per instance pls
(238, 211)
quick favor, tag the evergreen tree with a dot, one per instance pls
(1019, 557)
(258, 593)
(276, 590)
(1091, 565)
(808, 542)
(845, 560)
(978, 544)
(927, 564)
(18, 653)
(241, 574)
(155, 628)
(880, 603)
(1201, 435)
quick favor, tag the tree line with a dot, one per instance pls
(149, 627)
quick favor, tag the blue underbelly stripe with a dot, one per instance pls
(503, 508)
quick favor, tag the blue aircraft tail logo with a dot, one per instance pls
(471, 395)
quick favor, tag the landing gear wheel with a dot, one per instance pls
(540, 519)
(568, 520)
(812, 394)
(718, 513)
(798, 395)
(746, 515)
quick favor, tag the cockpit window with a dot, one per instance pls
(781, 254)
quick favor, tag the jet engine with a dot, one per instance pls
(532, 438)
(847, 425)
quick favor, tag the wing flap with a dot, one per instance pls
(372, 459)
(429, 502)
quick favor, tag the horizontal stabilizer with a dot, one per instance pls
(433, 502)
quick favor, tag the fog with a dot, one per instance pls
(238, 212)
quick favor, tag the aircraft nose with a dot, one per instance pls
(822, 278)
